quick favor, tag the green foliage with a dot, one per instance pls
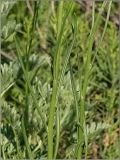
(60, 88)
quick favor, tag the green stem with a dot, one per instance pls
(55, 83)
(51, 120)
(25, 117)
(29, 153)
(28, 51)
(85, 83)
(57, 133)
(56, 65)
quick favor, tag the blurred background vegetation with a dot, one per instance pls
(101, 107)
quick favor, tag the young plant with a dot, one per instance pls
(57, 78)
(25, 68)
(83, 87)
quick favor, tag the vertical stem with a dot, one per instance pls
(86, 79)
(57, 132)
(55, 84)
(28, 51)
(25, 117)
(29, 153)
(51, 120)
(56, 74)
